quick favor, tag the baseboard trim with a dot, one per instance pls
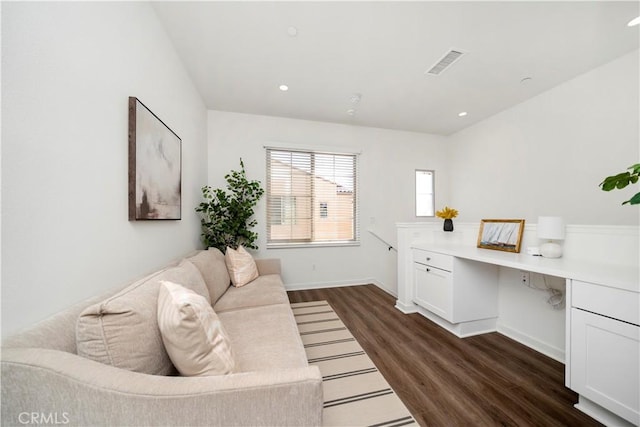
(463, 329)
(601, 414)
(406, 308)
(384, 288)
(529, 341)
(320, 285)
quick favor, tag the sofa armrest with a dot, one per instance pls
(61, 386)
(268, 266)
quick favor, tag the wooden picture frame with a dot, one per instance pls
(155, 166)
(501, 234)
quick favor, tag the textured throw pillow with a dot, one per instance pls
(214, 272)
(192, 333)
(242, 268)
(122, 330)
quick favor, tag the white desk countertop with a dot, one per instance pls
(626, 277)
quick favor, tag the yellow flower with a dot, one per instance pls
(447, 213)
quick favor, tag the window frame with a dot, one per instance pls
(302, 243)
(433, 192)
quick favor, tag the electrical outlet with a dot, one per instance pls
(525, 277)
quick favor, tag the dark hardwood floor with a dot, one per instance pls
(486, 380)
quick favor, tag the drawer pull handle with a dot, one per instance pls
(428, 258)
(428, 269)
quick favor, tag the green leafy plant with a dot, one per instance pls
(226, 215)
(621, 180)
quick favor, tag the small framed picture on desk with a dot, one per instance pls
(501, 234)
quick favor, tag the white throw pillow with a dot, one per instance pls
(242, 268)
(192, 333)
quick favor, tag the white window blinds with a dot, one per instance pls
(311, 198)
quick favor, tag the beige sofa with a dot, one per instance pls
(125, 377)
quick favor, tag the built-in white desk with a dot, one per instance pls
(456, 286)
(624, 277)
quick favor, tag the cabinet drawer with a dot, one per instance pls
(615, 303)
(434, 259)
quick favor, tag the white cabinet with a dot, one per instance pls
(433, 290)
(605, 349)
(456, 290)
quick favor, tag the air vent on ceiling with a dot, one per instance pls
(445, 62)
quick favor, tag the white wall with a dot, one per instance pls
(386, 183)
(547, 155)
(67, 72)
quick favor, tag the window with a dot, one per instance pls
(424, 193)
(311, 198)
(283, 210)
(324, 210)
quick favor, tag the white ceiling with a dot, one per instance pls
(238, 53)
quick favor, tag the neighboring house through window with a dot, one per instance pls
(284, 208)
(311, 198)
(324, 210)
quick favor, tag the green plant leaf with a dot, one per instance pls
(616, 181)
(635, 200)
(226, 214)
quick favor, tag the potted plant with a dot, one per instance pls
(621, 180)
(447, 214)
(226, 215)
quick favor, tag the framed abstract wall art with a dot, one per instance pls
(501, 234)
(155, 166)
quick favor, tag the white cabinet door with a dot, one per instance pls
(433, 290)
(605, 359)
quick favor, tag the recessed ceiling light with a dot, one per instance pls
(292, 31)
(351, 112)
(284, 88)
(633, 22)
(462, 114)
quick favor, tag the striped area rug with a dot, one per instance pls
(355, 393)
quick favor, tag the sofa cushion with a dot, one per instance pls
(213, 268)
(122, 330)
(192, 333)
(265, 290)
(264, 338)
(189, 276)
(241, 266)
